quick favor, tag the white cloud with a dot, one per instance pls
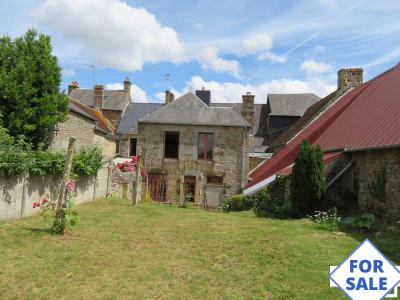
(232, 92)
(272, 57)
(68, 73)
(256, 44)
(137, 94)
(114, 33)
(313, 67)
(210, 59)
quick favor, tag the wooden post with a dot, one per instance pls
(66, 176)
(138, 182)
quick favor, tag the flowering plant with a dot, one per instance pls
(326, 219)
(129, 165)
(48, 210)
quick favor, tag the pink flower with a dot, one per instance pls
(119, 165)
(44, 201)
(135, 159)
(34, 205)
(142, 173)
(70, 186)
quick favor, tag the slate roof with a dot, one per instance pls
(190, 110)
(133, 113)
(363, 118)
(290, 104)
(112, 99)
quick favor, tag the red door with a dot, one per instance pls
(157, 187)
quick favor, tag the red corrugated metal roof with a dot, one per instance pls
(328, 157)
(367, 116)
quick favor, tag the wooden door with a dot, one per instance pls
(189, 184)
(157, 187)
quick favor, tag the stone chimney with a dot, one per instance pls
(169, 97)
(72, 86)
(348, 78)
(98, 97)
(248, 108)
(127, 85)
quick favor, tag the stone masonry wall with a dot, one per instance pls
(227, 160)
(366, 165)
(108, 146)
(124, 144)
(18, 193)
(82, 129)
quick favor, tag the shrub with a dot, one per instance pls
(45, 162)
(87, 162)
(326, 219)
(307, 187)
(363, 221)
(237, 203)
(266, 205)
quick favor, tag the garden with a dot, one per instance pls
(155, 251)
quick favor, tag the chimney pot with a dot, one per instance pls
(350, 77)
(74, 85)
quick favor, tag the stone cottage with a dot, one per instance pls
(195, 150)
(88, 126)
(358, 128)
(111, 103)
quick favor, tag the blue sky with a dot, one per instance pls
(229, 47)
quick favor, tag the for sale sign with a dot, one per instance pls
(366, 274)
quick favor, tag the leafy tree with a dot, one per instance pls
(30, 99)
(307, 186)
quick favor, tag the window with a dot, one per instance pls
(206, 145)
(132, 146)
(171, 145)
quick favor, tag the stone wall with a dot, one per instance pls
(81, 128)
(254, 161)
(229, 161)
(18, 193)
(124, 144)
(108, 146)
(365, 168)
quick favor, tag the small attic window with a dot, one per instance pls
(171, 144)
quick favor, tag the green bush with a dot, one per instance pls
(87, 162)
(17, 157)
(307, 185)
(266, 205)
(237, 203)
(363, 221)
(45, 163)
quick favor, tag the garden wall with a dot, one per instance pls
(18, 193)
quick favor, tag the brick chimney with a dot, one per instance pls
(169, 97)
(348, 78)
(127, 85)
(98, 97)
(248, 108)
(72, 86)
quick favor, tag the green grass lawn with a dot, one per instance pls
(158, 252)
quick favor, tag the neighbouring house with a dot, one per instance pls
(358, 128)
(194, 150)
(128, 127)
(88, 126)
(111, 103)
